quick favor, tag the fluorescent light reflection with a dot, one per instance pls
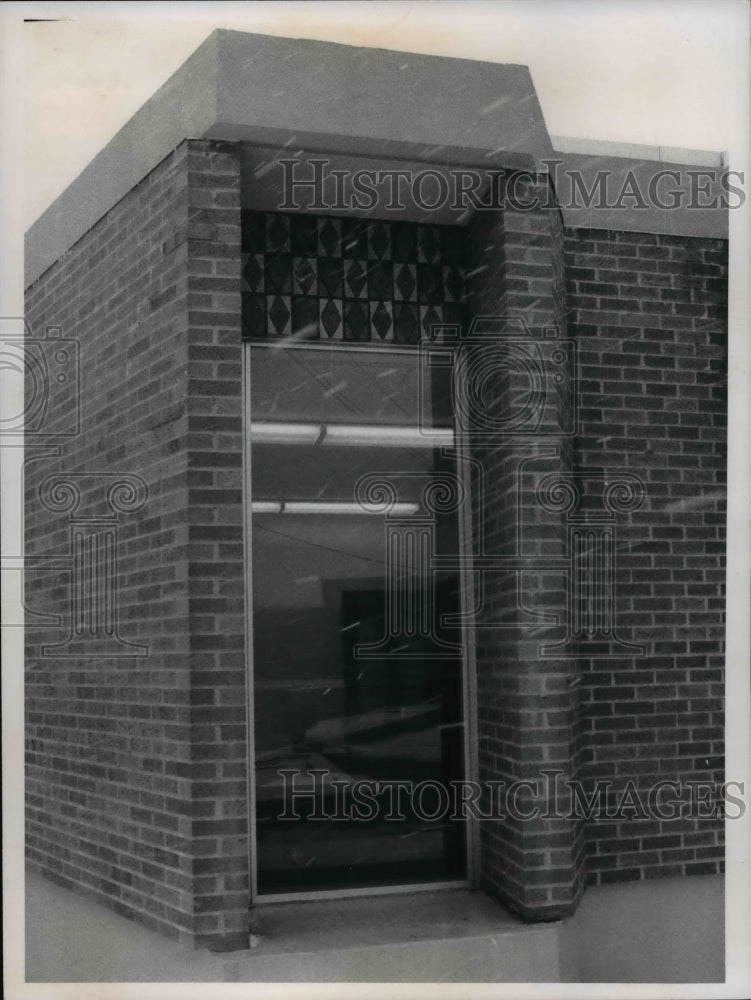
(325, 507)
(273, 433)
(375, 435)
(405, 437)
(266, 507)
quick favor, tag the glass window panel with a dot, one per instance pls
(300, 472)
(357, 679)
(338, 385)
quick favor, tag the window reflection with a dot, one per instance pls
(340, 692)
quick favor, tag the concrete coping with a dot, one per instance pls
(363, 102)
(639, 151)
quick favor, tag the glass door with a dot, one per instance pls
(357, 651)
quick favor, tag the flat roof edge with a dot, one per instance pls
(253, 82)
(239, 86)
(185, 104)
(639, 151)
(644, 194)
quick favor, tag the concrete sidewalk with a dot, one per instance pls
(72, 939)
(659, 931)
(442, 936)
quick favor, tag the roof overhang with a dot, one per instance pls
(370, 106)
(319, 96)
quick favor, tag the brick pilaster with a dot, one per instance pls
(528, 705)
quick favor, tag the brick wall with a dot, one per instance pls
(528, 711)
(649, 316)
(136, 763)
(136, 769)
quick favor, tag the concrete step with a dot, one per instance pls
(444, 936)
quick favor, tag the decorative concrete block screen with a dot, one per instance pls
(322, 277)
